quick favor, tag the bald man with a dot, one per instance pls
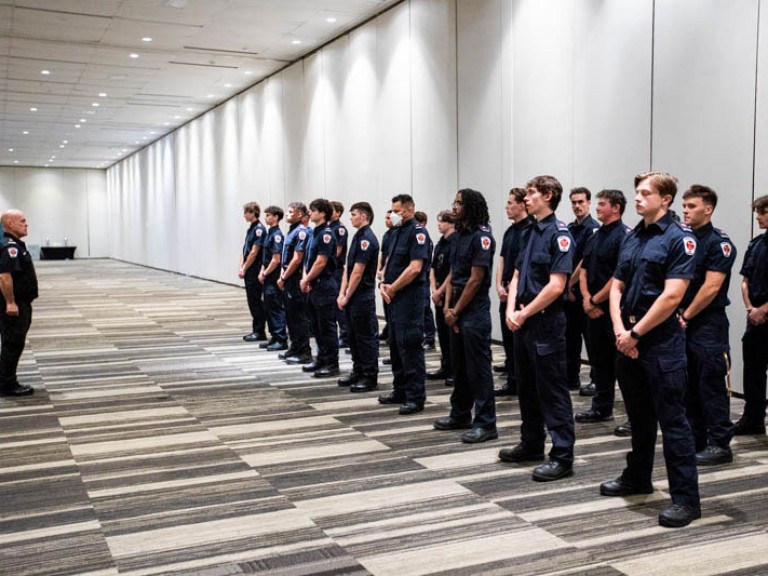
(18, 288)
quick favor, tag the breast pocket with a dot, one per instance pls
(653, 272)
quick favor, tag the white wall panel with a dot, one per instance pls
(335, 120)
(761, 120)
(294, 127)
(314, 109)
(98, 223)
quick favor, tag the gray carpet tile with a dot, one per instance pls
(158, 442)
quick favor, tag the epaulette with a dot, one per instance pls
(485, 228)
(10, 241)
(561, 225)
(683, 227)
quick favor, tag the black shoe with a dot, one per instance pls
(390, 398)
(588, 390)
(347, 350)
(449, 423)
(500, 369)
(619, 487)
(387, 361)
(254, 337)
(311, 367)
(342, 343)
(277, 346)
(440, 374)
(299, 359)
(551, 471)
(428, 346)
(350, 379)
(17, 390)
(365, 384)
(677, 516)
(383, 335)
(265, 345)
(449, 381)
(326, 372)
(744, 428)
(592, 416)
(478, 434)
(573, 386)
(410, 408)
(714, 455)
(521, 453)
(505, 390)
(623, 430)
(286, 354)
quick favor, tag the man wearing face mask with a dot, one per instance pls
(403, 289)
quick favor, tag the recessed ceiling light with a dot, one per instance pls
(137, 142)
(90, 112)
(83, 120)
(10, 149)
(25, 132)
(61, 145)
(211, 96)
(152, 132)
(65, 141)
(33, 109)
(176, 117)
(45, 72)
(45, 165)
(133, 55)
(295, 41)
(15, 161)
(330, 19)
(95, 104)
(247, 72)
(102, 94)
(189, 109)
(125, 150)
(227, 85)
(77, 125)
(166, 123)
(146, 39)
(145, 137)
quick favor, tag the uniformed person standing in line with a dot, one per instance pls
(467, 313)
(342, 238)
(320, 283)
(441, 266)
(754, 291)
(386, 242)
(357, 298)
(515, 238)
(250, 264)
(403, 289)
(535, 314)
(702, 316)
(296, 315)
(18, 288)
(601, 254)
(430, 331)
(272, 255)
(575, 319)
(656, 263)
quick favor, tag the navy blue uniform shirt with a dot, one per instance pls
(651, 255)
(273, 244)
(581, 233)
(341, 235)
(515, 238)
(322, 243)
(256, 235)
(714, 252)
(441, 258)
(549, 251)
(473, 247)
(364, 249)
(755, 270)
(409, 242)
(295, 241)
(601, 254)
(17, 261)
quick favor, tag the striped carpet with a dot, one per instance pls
(158, 442)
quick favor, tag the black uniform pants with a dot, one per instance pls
(754, 346)
(362, 330)
(576, 329)
(653, 387)
(472, 376)
(542, 387)
(322, 305)
(443, 335)
(406, 330)
(297, 318)
(13, 337)
(508, 341)
(273, 305)
(341, 318)
(253, 291)
(429, 319)
(603, 339)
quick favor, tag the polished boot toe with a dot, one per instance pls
(521, 453)
(364, 385)
(588, 390)
(277, 346)
(551, 471)
(450, 423)
(677, 516)
(714, 455)
(17, 390)
(592, 416)
(299, 359)
(390, 398)
(311, 367)
(410, 408)
(478, 434)
(623, 430)
(438, 375)
(254, 337)
(745, 428)
(349, 379)
(620, 487)
(265, 345)
(326, 372)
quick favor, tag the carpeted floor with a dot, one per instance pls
(158, 442)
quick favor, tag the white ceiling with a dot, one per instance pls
(202, 52)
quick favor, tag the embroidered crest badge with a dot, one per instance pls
(690, 245)
(364, 244)
(485, 242)
(564, 243)
(326, 238)
(421, 238)
(727, 249)
(13, 252)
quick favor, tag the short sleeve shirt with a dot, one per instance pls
(17, 261)
(364, 249)
(755, 270)
(473, 247)
(512, 243)
(295, 241)
(601, 254)
(715, 252)
(322, 243)
(342, 237)
(255, 236)
(273, 244)
(441, 258)
(409, 242)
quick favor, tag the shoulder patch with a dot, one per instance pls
(342, 231)
(259, 231)
(683, 227)
(326, 238)
(278, 238)
(564, 243)
(690, 245)
(485, 228)
(485, 242)
(726, 248)
(421, 237)
(364, 245)
(302, 235)
(13, 252)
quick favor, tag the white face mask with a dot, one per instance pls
(396, 219)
